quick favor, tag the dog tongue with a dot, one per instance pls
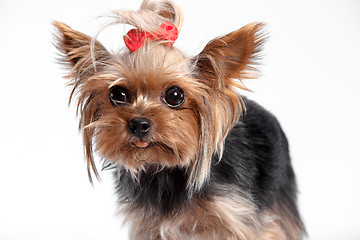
(141, 143)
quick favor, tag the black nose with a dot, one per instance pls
(139, 126)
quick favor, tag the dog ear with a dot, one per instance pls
(79, 51)
(232, 56)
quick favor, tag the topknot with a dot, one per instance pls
(151, 15)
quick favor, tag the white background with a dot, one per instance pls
(310, 81)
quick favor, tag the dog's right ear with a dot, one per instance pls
(78, 51)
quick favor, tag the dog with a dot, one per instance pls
(192, 158)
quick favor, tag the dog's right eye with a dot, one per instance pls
(119, 95)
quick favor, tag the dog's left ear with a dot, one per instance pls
(232, 56)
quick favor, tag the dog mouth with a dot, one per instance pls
(140, 143)
(143, 144)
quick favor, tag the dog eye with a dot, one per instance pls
(174, 96)
(119, 95)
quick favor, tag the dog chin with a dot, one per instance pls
(143, 153)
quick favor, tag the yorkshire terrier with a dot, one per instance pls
(192, 158)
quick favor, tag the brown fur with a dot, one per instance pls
(224, 217)
(228, 217)
(284, 224)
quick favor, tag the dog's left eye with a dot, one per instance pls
(174, 96)
(119, 95)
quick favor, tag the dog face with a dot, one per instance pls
(149, 110)
(156, 106)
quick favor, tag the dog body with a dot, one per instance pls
(250, 194)
(193, 159)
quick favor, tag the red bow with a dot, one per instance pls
(167, 32)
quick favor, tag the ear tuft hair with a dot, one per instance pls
(84, 57)
(221, 66)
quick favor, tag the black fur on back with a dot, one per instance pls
(255, 160)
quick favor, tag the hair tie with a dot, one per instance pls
(167, 33)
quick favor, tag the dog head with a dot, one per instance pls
(154, 105)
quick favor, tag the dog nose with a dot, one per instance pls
(139, 126)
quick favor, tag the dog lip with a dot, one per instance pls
(140, 143)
